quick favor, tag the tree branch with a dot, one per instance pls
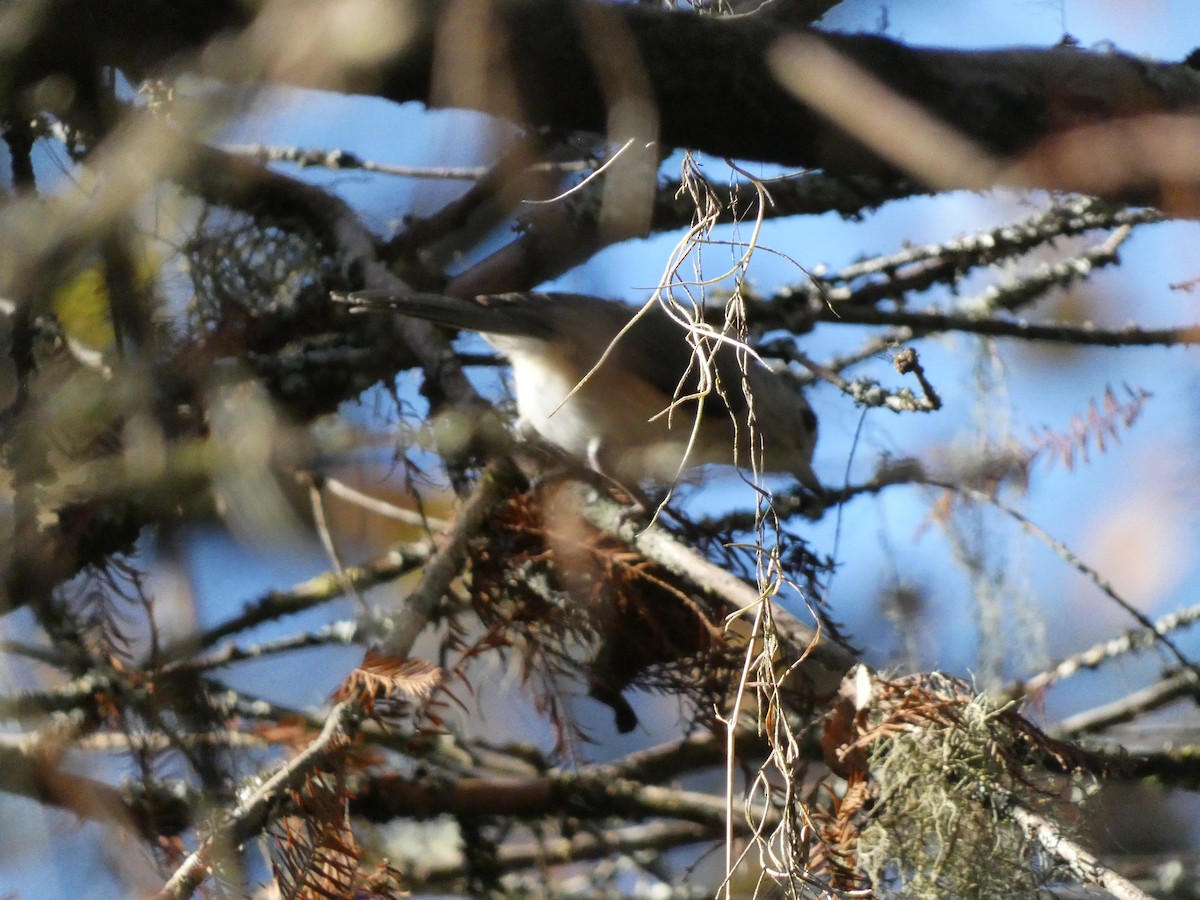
(1056, 117)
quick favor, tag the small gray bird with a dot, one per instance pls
(599, 383)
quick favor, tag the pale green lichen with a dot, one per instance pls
(937, 829)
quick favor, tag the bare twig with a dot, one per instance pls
(1132, 705)
(1069, 556)
(317, 504)
(446, 564)
(655, 837)
(868, 393)
(381, 507)
(343, 159)
(592, 792)
(1096, 655)
(343, 633)
(1085, 866)
(251, 814)
(915, 323)
(306, 595)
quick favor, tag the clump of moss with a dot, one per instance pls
(946, 766)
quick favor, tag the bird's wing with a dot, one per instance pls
(655, 348)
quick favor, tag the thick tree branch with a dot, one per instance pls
(590, 793)
(1038, 117)
(1084, 865)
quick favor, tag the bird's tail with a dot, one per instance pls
(512, 314)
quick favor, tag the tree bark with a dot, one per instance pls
(1039, 117)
